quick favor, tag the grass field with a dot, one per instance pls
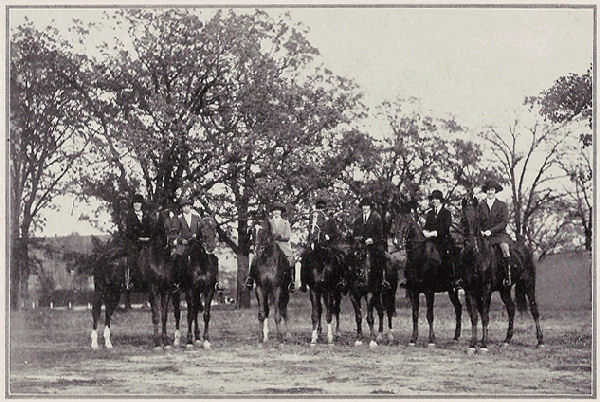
(50, 354)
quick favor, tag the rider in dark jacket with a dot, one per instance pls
(138, 230)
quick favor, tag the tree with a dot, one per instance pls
(569, 101)
(231, 110)
(529, 154)
(47, 137)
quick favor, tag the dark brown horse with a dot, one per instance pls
(200, 275)
(326, 270)
(365, 281)
(109, 271)
(483, 274)
(424, 273)
(272, 280)
(155, 275)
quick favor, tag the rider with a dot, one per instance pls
(437, 228)
(188, 223)
(493, 214)
(368, 226)
(252, 236)
(138, 229)
(281, 234)
(322, 228)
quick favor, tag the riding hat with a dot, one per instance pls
(437, 195)
(365, 201)
(278, 206)
(138, 198)
(491, 184)
(185, 201)
(320, 204)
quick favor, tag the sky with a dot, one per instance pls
(476, 63)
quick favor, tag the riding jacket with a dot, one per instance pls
(494, 220)
(186, 232)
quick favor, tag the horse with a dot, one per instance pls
(200, 275)
(326, 270)
(156, 275)
(365, 281)
(483, 274)
(272, 281)
(109, 272)
(424, 273)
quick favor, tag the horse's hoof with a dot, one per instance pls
(372, 345)
(95, 346)
(330, 344)
(471, 351)
(504, 344)
(412, 344)
(431, 345)
(358, 343)
(198, 342)
(157, 348)
(390, 337)
(108, 345)
(167, 347)
(541, 345)
(484, 350)
(379, 338)
(189, 346)
(206, 345)
(313, 344)
(176, 342)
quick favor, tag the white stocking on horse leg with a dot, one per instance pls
(177, 339)
(329, 333)
(107, 342)
(265, 330)
(313, 338)
(94, 337)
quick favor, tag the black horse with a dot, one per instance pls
(424, 273)
(109, 271)
(483, 274)
(365, 278)
(272, 280)
(325, 271)
(200, 275)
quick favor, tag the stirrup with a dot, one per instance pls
(292, 287)
(385, 285)
(249, 283)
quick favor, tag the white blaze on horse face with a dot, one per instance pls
(94, 339)
(266, 330)
(107, 342)
(329, 333)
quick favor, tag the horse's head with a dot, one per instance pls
(469, 221)
(207, 232)
(263, 235)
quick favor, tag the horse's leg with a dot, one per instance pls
(263, 306)
(484, 310)
(337, 302)
(198, 307)
(414, 302)
(470, 300)
(315, 317)
(388, 304)
(276, 313)
(330, 306)
(283, 303)
(152, 296)
(191, 308)
(114, 296)
(453, 294)
(371, 299)
(510, 308)
(177, 314)
(208, 296)
(430, 298)
(380, 314)
(164, 311)
(358, 317)
(536, 315)
(96, 311)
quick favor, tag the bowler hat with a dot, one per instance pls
(365, 201)
(278, 206)
(185, 201)
(436, 195)
(137, 198)
(491, 184)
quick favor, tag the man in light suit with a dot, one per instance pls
(493, 215)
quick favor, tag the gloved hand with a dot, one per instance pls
(486, 233)
(369, 241)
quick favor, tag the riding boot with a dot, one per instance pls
(507, 282)
(385, 285)
(292, 285)
(250, 279)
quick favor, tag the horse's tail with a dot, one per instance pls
(521, 288)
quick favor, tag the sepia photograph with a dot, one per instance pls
(283, 200)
